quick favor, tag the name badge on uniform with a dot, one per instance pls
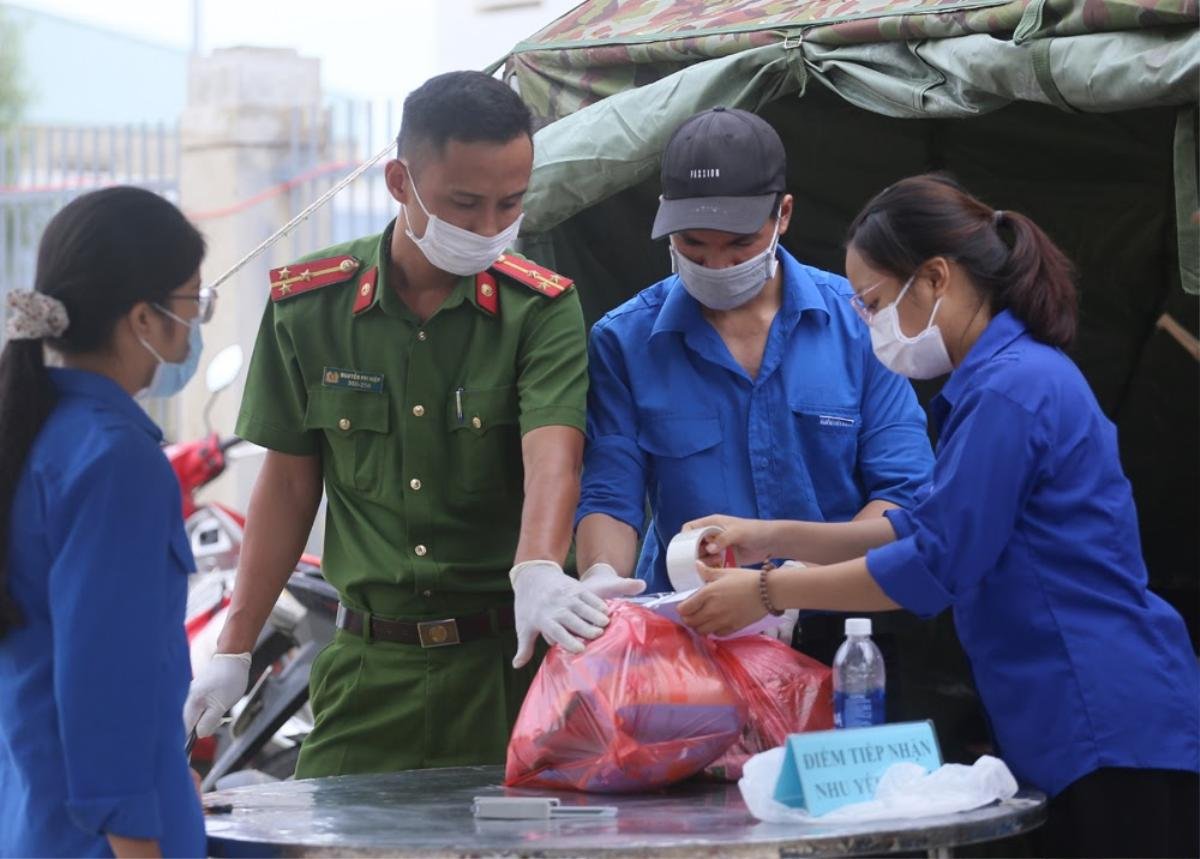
(354, 380)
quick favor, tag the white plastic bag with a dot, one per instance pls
(667, 605)
(905, 791)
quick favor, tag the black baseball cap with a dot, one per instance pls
(722, 170)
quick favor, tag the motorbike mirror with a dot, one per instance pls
(223, 368)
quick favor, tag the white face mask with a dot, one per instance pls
(455, 250)
(920, 357)
(727, 288)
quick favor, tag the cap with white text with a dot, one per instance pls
(722, 170)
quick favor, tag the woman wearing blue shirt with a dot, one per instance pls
(93, 556)
(1027, 530)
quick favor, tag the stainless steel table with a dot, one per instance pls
(428, 813)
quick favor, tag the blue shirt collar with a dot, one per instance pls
(1000, 332)
(82, 383)
(681, 312)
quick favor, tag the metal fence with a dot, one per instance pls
(325, 148)
(42, 168)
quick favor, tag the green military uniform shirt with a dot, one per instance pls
(418, 427)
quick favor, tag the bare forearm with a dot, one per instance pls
(830, 542)
(553, 458)
(133, 848)
(282, 507)
(874, 509)
(602, 539)
(847, 586)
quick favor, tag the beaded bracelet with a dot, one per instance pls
(762, 592)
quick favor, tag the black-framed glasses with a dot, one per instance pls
(205, 298)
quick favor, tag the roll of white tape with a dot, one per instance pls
(682, 553)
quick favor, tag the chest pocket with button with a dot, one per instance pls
(685, 455)
(355, 425)
(485, 442)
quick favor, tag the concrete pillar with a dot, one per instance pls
(244, 108)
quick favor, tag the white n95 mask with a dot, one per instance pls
(727, 288)
(455, 250)
(920, 357)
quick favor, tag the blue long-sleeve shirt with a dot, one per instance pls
(93, 681)
(1028, 531)
(821, 430)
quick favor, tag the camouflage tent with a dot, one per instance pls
(1081, 113)
(897, 58)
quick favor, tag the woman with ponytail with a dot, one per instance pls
(1027, 530)
(93, 556)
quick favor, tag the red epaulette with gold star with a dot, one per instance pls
(299, 278)
(532, 275)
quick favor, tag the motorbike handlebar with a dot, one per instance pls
(231, 441)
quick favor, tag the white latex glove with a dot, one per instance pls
(605, 582)
(786, 627)
(215, 689)
(548, 601)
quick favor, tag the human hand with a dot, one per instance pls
(750, 539)
(728, 602)
(215, 689)
(605, 582)
(560, 608)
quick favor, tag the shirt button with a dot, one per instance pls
(415, 484)
(426, 593)
(344, 424)
(419, 411)
(422, 336)
(420, 550)
(476, 422)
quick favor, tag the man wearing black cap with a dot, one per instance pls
(745, 383)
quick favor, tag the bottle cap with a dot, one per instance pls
(858, 626)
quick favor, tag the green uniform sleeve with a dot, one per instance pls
(275, 400)
(552, 366)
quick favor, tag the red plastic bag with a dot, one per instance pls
(787, 693)
(644, 706)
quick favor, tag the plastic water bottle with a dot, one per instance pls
(858, 678)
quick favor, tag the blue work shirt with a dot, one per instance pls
(94, 679)
(822, 429)
(1028, 531)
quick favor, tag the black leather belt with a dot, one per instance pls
(429, 633)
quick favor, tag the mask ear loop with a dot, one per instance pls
(407, 223)
(933, 313)
(773, 259)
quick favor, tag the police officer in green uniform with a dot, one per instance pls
(434, 383)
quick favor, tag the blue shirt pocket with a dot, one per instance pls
(828, 436)
(687, 467)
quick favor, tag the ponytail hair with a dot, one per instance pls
(1010, 259)
(99, 256)
(26, 400)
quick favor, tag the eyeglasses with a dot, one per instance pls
(860, 306)
(206, 298)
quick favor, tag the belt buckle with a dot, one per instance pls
(438, 633)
